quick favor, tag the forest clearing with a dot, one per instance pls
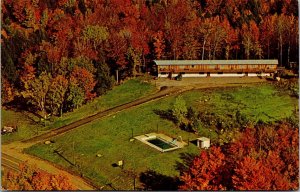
(110, 137)
(150, 95)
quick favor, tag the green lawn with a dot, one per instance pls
(127, 92)
(23, 120)
(110, 136)
(257, 102)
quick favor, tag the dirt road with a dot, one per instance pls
(12, 154)
(64, 129)
(12, 157)
(205, 82)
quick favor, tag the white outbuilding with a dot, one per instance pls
(203, 142)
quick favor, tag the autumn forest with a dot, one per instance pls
(57, 55)
(61, 62)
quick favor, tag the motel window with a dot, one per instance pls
(220, 73)
(239, 73)
(201, 73)
(193, 66)
(163, 73)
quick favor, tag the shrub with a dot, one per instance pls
(179, 110)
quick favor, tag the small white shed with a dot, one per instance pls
(203, 142)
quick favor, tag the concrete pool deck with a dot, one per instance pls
(177, 144)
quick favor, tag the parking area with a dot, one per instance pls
(200, 82)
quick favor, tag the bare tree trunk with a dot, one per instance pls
(227, 49)
(203, 49)
(174, 54)
(278, 52)
(144, 61)
(61, 112)
(44, 115)
(248, 50)
(289, 49)
(214, 53)
(209, 51)
(281, 50)
(268, 49)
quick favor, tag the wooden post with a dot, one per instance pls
(74, 152)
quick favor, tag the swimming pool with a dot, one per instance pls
(161, 143)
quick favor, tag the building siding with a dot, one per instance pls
(215, 67)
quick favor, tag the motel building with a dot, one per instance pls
(215, 68)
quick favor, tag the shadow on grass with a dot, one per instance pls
(165, 114)
(187, 159)
(151, 180)
(63, 157)
(194, 141)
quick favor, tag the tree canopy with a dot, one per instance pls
(88, 40)
(263, 158)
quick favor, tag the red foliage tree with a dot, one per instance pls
(263, 158)
(159, 44)
(132, 32)
(205, 172)
(85, 80)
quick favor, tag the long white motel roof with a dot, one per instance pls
(216, 62)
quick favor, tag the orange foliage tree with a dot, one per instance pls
(85, 80)
(126, 35)
(263, 158)
(34, 179)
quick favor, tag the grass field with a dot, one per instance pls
(257, 102)
(110, 136)
(127, 92)
(23, 120)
